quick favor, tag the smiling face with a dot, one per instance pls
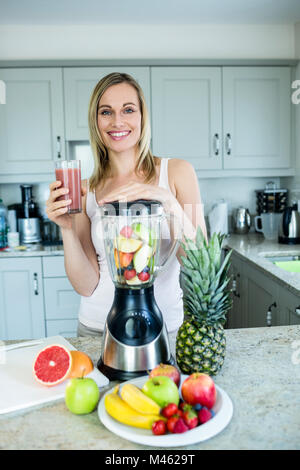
(119, 118)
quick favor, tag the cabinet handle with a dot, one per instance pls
(35, 284)
(216, 144)
(234, 286)
(228, 144)
(58, 146)
(297, 311)
(269, 314)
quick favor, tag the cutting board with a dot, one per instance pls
(18, 388)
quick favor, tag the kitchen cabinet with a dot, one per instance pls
(61, 300)
(256, 117)
(36, 298)
(258, 299)
(235, 317)
(31, 124)
(230, 118)
(289, 306)
(186, 114)
(261, 299)
(21, 298)
(79, 83)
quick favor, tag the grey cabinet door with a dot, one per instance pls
(289, 307)
(236, 315)
(21, 299)
(256, 117)
(79, 83)
(186, 114)
(31, 121)
(260, 295)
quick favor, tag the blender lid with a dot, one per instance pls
(138, 207)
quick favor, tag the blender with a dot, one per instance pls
(139, 240)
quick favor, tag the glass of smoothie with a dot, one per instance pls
(69, 173)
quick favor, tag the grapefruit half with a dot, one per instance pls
(52, 365)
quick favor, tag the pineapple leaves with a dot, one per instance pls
(205, 278)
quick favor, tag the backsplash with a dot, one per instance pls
(235, 191)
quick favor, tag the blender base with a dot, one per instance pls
(116, 374)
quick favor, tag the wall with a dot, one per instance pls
(134, 41)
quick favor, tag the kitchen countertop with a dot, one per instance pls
(261, 374)
(254, 247)
(35, 249)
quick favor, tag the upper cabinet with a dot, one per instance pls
(256, 117)
(230, 118)
(78, 87)
(31, 121)
(186, 114)
(224, 120)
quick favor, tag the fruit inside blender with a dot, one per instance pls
(135, 247)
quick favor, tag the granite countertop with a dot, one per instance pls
(261, 374)
(34, 249)
(254, 248)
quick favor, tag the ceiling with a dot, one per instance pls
(62, 12)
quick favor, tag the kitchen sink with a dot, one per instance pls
(289, 263)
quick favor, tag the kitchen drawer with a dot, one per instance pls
(61, 300)
(53, 266)
(66, 328)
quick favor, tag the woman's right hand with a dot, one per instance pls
(57, 211)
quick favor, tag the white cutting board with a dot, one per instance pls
(18, 387)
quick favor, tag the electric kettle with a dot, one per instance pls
(289, 226)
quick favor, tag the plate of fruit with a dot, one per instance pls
(166, 410)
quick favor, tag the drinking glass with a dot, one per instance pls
(69, 173)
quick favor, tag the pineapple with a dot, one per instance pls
(200, 341)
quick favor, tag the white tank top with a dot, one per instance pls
(168, 294)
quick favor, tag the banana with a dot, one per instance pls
(135, 398)
(118, 409)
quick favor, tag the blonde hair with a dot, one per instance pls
(145, 163)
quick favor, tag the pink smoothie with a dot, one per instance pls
(70, 178)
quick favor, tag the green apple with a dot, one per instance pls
(140, 231)
(162, 390)
(141, 257)
(81, 395)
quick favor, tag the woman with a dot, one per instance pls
(124, 170)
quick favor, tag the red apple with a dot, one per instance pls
(200, 389)
(168, 370)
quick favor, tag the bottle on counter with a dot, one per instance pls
(3, 225)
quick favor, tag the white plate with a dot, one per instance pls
(223, 412)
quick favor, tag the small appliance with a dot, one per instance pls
(29, 225)
(139, 240)
(241, 220)
(271, 199)
(51, 233)
(289, 227)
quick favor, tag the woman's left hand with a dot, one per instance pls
(134, 191)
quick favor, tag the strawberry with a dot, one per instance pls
(159, 427)
(169, 410)
(129, 274)
(190, 417)
(144, 276)
(205, 415)
(180, 426)
(126, 231)
(171, 422)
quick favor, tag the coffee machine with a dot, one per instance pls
(29, 224)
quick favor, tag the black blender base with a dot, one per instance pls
(116, 374)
